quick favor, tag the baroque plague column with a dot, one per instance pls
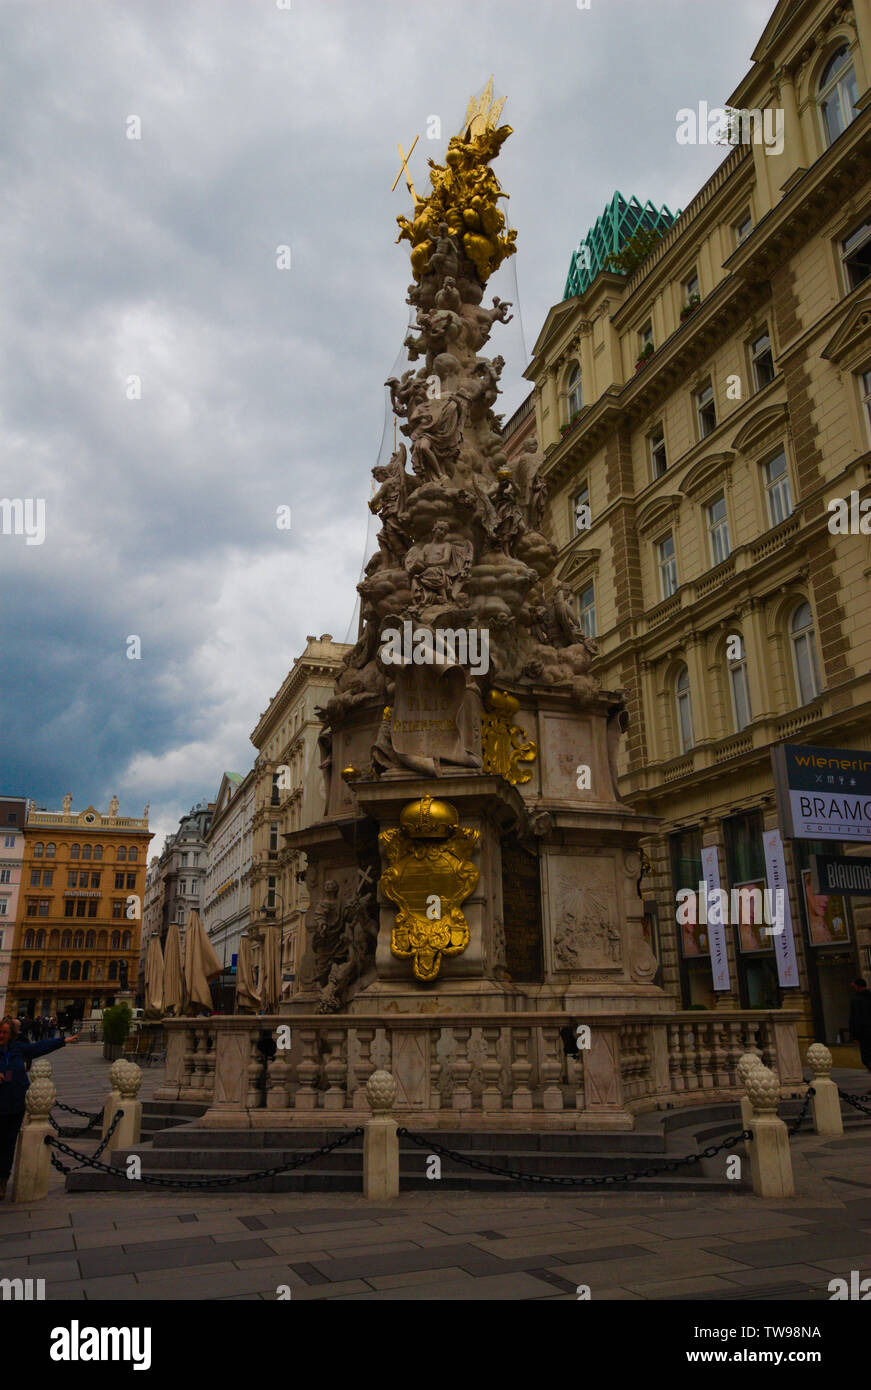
(473, 854)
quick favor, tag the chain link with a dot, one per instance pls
(546, 1178)
(854, 1101)
(799, 1120)
(71, 1110)
(192, 1183)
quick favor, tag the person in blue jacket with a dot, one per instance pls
(14, 1057)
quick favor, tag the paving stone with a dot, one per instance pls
(498, 1287)
(323, 1291)
(417, 1276)
(95, 1264)
(800, 1250)
(652, 1267)
(779, 1274)
(40, 1243)
(679, 1288)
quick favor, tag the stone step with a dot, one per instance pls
(195, 1138)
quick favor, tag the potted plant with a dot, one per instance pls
(644, 356)
(116, 1026)
(564, 429)
(691, 305)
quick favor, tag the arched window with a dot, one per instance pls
(25, 970)
(79, 941)
(40, 941)
(75, 851)
(740, 687)
(113, 970)
(29, 938)
(132, 854)
(122, 853)
(804, 654)
(64, 972)
(50, 851)
(837, 94)
(37, 967)
(575, 392)
(76, 970)
(684, 709)
(66, 941)
(125, 941)
(86, 851)
(115, 942)
(86, 970)
(38, 851)
(98, 851)
(90, 941)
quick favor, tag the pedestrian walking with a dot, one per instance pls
(860, 1019)
(14, 1058)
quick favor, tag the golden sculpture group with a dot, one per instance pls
(465, 194)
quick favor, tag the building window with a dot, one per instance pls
(115, 941)
(856, 256)
(40, 941)
(5, 875)
(90, 941)
(691, 291)
(777, 489)
(47, 878)
(34, 877)
(29, 938)
(667, 564)
(658, 457)
(125, 941)
(807, 676)
(684, 709)
(4, 910)
(183, 888)
(83, 879)
(274, 800)
(743, 227)
(31, 907)
(86, 970)
(121, 854)
(38, 851)
(119, 880)
(866, 396)
(50, 851)
(762, 360)
(66, 941)
(92, 908)
(72, 878)
(718, 530)
(587, 610)
(75, 851)
(79, 941)
(9, 841)
(117, 909)
(98, 851)
(581, 509)
(95, 880)
(575, 393)
(86, 851)
(69, 907)
(25, 970)
(76, 970)
(645, 336)
(273, 837)
(837, 94)
(706, 412)
(113, 970)
(64, 972)
(132, 854)
(740, 687)
(81, 905)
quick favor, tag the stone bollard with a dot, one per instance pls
(770, 1162)
(33, 1155)
(825, 1102)
(380, 1142)
(743, 1067)
(126, 1078)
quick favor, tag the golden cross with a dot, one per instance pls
(405, 158)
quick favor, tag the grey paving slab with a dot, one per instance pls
(654, 1267)
(418, 1276)
(40, 1243)
(779, 1274)
(320, 1292)
(800, 1250)
(680, 1288)
(499, 1287)
(177, 1255)
(40, 1267)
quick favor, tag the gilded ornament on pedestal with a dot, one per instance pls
(505, 746)
(428, 876)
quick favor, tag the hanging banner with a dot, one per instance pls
(716, 929)
(781, 933)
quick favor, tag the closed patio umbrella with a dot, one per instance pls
(154, 977)
(246, 993)
(200, 963)
(270, 971)
(173, 985)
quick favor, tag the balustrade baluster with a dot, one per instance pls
(521, 1069)
(307, 1068)
(491, 1098)
(335, 1068)
(461, 1069)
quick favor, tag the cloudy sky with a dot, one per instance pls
(261, 125)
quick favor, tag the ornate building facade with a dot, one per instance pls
(697, 417)
(288, 794)
(12, 813)
(79, 915)
(227, 889)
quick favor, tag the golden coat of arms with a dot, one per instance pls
(428, 876)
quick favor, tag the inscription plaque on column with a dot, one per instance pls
(521, 910)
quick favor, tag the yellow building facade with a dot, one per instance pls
(697, 417)
(79, 910)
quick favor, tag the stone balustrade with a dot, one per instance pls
(467, 1070)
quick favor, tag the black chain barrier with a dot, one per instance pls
(192, 1183)
(854, 1101)
(546, 1178)
(799, 1120)
(71, 1110)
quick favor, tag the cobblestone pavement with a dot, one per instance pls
(457, 1246)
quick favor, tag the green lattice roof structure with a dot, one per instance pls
(622, 218)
